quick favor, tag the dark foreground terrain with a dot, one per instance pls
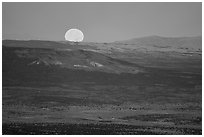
(90, 129)
(107, 88)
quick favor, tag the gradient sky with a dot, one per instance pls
(100, 22)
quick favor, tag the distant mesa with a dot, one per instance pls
(165, 42)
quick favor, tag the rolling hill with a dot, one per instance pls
(153, 84)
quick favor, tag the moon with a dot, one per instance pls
(74, 35)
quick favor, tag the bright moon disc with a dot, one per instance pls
(74, 35)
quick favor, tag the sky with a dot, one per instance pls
(100, 22)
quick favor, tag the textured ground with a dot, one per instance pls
(134, 92)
